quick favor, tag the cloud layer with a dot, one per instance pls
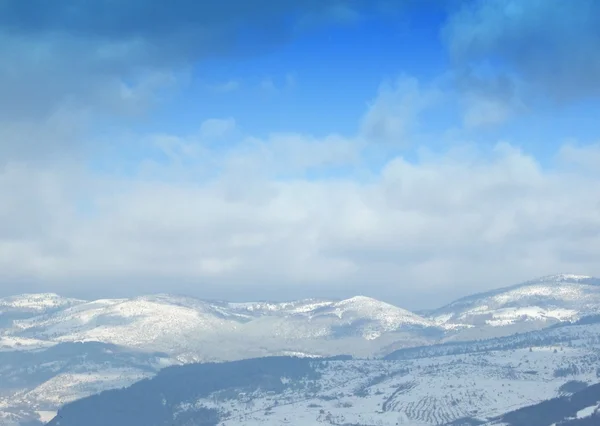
(253, 220)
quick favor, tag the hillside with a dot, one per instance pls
(527, 306)
(579, 408)
(432, 390)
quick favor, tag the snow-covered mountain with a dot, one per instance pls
(531, 305)
(207, 330)
(35, 303)
(150, 323)
(196, 330)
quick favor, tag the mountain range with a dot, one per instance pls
(56, 350)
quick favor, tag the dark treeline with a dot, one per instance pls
(156, 401)
(557, 411)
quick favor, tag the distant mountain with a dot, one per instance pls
(530, 305)
(195, 330)
(29, 305)
(35, 303)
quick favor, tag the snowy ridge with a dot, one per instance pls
(179, 324)
(358, 306)
(383, 317)
(284, 308)
(546, 300)
(561, 278)
(36, 303)
(153, 323)
(367, 307)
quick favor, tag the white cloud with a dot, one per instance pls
(392, 116)
(212, 129)
(268, 85)
(413, 227)
(39, 76)
(484, 111)
(226, 87)
(49, 139)
(581, 158)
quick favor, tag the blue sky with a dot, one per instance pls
(341, 64)
(411, 151)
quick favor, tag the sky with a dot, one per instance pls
(411, 151)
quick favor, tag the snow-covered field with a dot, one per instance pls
(430, 391)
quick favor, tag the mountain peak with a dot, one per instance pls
(359, 299)
(560, 278)
(390, 315)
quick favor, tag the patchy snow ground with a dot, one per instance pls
(587, 412)
(14, 343)
(46, 416)
(431, 390)
(428, 391)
